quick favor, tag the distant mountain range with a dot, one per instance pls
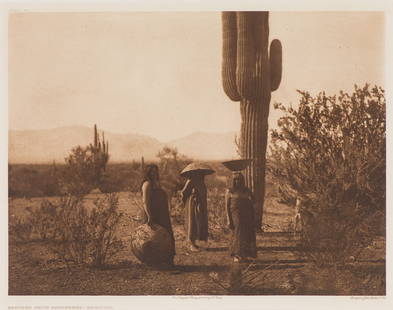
(207, 146)
(46, 146)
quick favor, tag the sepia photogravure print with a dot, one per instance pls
(196, 153)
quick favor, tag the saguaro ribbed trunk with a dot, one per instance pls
(249, 75)
(253, 143)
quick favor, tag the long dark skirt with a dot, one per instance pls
(196, 218)
(243, 242)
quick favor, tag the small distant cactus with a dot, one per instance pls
(100, 152)
(250, 72)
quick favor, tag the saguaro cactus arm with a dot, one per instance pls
(275, 60)
(229, 54)
(246, 55)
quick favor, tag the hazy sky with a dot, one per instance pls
(160, 73)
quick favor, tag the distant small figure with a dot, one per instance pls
(304, 217)
(155, 204)
(298, 219)
(241, 217)
(194, 197)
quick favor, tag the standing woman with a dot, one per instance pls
(155, 204)
(194, 197)
(241, 217)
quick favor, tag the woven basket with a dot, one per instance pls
(152, 245)
(237, 165)
(196, 168)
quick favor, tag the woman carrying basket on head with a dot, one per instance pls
(194, 196)
(239, 204)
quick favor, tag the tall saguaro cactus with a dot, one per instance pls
(250, 72)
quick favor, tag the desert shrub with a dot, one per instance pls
(84, 170)
(76, 233)
(24, 182)
(177, 209)
(216, 213)
(19, 230)
(33, 180)
(48, 180)
(121, 178)
(72, 233)
(43, 220)
(79, 175)
(330, 153)
(85, 167)
(104, 221)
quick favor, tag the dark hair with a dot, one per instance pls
(238, 176)
(148, 171)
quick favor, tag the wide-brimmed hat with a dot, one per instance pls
(196, 168)
(237, 164)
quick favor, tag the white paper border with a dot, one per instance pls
(226, 302)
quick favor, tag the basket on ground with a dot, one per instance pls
(152, 245)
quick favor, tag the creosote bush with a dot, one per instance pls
(330, 153)
(78, 233)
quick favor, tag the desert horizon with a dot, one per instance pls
(25, 146)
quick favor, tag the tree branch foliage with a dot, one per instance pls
(330, 153)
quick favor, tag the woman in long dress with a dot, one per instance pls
(194, 196)
(241, 218)
(155, 203)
